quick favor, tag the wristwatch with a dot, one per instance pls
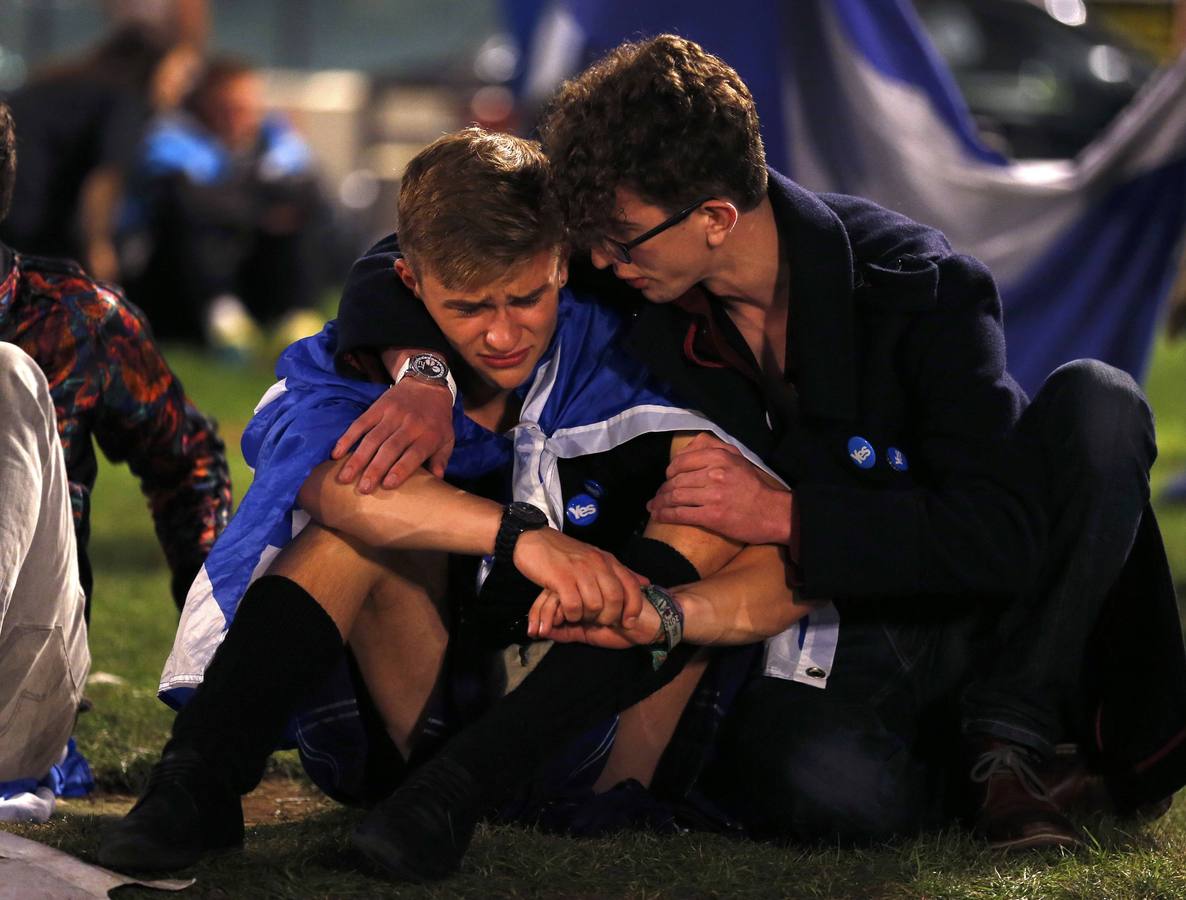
(516, 518)
(429, 369)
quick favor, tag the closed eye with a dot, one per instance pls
(465, 310)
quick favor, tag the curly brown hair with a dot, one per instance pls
(661, 117)
(474, 203)
(7, 159)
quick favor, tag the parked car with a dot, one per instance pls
(1038, 87)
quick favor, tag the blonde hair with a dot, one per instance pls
(474, 203)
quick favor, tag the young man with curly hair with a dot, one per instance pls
(975, 544)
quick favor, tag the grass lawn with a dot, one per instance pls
(293, 854)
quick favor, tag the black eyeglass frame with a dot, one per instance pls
(621, 249)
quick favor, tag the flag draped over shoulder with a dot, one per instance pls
(854, 99)
(585, 396)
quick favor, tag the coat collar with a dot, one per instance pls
(821, 334)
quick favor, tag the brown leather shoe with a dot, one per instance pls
(1073, 787)
(1014, 809)
(1076, 789)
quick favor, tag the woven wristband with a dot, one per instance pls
(671, 620)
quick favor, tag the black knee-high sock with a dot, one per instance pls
(573, 688)
(280, 645)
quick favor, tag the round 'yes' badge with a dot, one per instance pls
(861, 452)
(581, 510)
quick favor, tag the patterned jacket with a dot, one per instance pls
(110, 382)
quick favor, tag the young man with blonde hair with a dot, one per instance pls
(551, 417)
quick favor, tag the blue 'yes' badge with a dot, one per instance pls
(861, 452)
(581, 510)
(897, 459)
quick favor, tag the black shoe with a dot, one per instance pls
(626, 806)
(186, 813)
(422, 830)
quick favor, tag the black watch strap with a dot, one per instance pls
(517, 517)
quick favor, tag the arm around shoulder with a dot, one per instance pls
(378, 311)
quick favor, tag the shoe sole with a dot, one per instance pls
(377, 852)
(126, 856)
(1040, 841)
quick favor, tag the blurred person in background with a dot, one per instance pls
(183, 21)
(79, 125)
(109, 383)
(225, 193)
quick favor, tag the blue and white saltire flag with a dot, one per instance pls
(854, 99)
(586, 396)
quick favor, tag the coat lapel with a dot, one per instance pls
(821, 335)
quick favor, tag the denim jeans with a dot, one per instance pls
(863, 759)
(1096, 431)
(877, 753)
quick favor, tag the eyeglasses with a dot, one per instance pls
(620, 250)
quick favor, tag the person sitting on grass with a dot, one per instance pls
(227, 192)
(78, 359)
(44, 658)
(552, 417)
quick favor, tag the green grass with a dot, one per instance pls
(132, 630)
(1166, 387)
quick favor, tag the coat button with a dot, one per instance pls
(816, 672)
(861, 452)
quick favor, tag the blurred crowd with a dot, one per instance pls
(145, 157)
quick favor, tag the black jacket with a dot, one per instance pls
(897, 340)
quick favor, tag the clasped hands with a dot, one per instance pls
(588, 596)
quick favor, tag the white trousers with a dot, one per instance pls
(44, 657)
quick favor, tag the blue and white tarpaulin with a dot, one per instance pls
(586, 396)
(854, 99)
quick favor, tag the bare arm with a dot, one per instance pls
(98, 200)
(427, 514)
(424, 513)
(747, 601)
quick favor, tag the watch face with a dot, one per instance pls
(530, 516)
(429, 366)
